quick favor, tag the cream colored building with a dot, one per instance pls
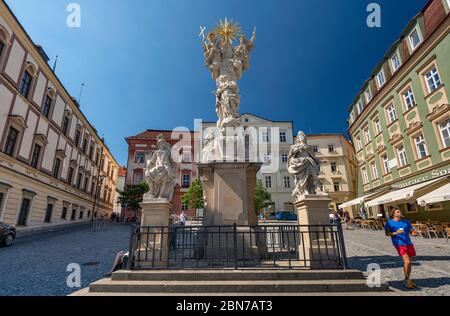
(274, 139)
(337, 168)
(52, 162)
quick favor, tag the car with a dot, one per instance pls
(286, 216)
(7, 234)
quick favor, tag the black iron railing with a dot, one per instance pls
(237, 247)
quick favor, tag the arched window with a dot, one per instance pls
(48, 103)
(27, 80)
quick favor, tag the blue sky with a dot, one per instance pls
(142, 61)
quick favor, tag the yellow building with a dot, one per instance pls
(54, 168)
(337, 167)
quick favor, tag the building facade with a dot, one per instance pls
(400, 120)
(337, 167)
(54, 168)
(141, 148)
(274, 140)
(121, 178)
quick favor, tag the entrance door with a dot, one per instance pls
(48, 213)
(24, 210)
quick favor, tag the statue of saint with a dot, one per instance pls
(213, 54)
(160, 172)
(304, 165)
(241, 58)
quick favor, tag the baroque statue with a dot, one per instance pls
(226, 64)
(160, 172)
(304, 165)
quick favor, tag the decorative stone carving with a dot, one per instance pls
(304, 165)
(160, 172)
(413, 127)
(226, 64)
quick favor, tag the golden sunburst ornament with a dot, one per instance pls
(228, 30)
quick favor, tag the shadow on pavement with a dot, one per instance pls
(430, 283)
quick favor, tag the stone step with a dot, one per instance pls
(253, 286)
(242, 275)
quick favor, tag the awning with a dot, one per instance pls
(439, 195)
(398, 195)
(357, 201)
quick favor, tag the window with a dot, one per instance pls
(267, 157)
(415, 38)
(444, 128)
(365, 176)
(86, 183)
(70, 176)
(65, 127)
(287, 182)
(381, 79)
(186, 180)
(284, 157)
(337, 186)
(409, 98)
(80, 177)
(91, 151)
(268, 182)
(433, 79)
(321, 186)
(140, 157)
(47, 106)
(85, 144)
(25, 85)
(367, 136)
(411, 208)
(36, 155)
(359, 145)
(395, 62)
(138, 176)
(315, 149)
(265, 137)
(184, 207)
(377, 125)
(386, 166)
(77, 137)
(334, 167)
(48, 213)
(11, 141)
(360, 107)
(392, 114)
(368, 95)
(81, 215)
(64, 213)
(421, 147)
(401, 155)
(187, 156)
(56, 168)
(283, 138)
(374, 171)
(331, 148)
(24, 211)
(2, 47)
(73, 215)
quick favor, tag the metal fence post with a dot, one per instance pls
(342, 245)
(131, 249)
(235, 242)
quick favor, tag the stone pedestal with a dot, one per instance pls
(313, 210)
(229, 188)
(155, 213)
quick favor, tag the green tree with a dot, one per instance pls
(132, 196)
(262, 197)
(194, 196)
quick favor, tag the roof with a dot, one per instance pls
(150, 133)
(122, 172)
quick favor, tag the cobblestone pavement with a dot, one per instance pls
(38, 266)
(431, 267)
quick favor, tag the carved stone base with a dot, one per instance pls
(313, 210)
(155, 249)
(229, 189)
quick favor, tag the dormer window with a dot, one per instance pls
(415, 38)
(381, 79)
(368, 95)
(360, 107)
(395, 62)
